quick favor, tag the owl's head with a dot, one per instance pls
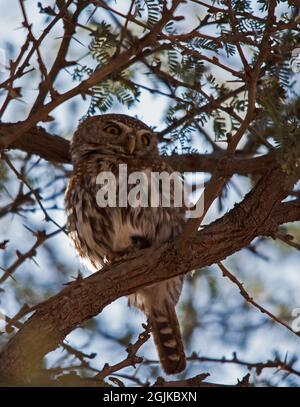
(113, 134)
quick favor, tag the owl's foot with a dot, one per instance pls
(140, 242)
(119, 257)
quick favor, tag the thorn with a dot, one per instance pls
(3, 244)
(30, 230)
(35, 262)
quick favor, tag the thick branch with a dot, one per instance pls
(259, 214)
(38, 141)
(56, 149)
(198, 381)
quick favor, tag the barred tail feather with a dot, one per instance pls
(167, 338)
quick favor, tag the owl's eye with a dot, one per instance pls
(112, 129)
(146, 139)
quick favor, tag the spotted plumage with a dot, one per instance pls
(103, 234)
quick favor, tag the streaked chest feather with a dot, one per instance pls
(102, 233)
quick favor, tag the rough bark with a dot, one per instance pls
(55, 149)
(260, 213)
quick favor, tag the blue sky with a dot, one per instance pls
(279, 276)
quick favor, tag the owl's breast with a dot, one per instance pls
(102, 233)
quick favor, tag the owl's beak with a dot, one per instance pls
(130, 145)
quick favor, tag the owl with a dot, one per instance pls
(102, 235)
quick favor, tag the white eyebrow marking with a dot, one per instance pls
(126, 129)
(141, 132)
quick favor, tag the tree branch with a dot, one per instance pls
(259, 213)
(55, 149)
(147, 45)
(198, 381)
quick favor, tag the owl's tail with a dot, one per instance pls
(167, 338)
